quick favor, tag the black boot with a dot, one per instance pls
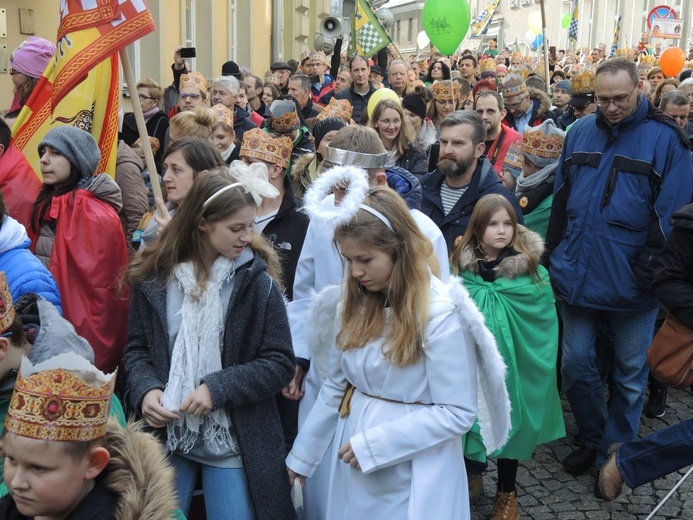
(656, 403)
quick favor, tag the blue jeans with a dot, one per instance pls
(584, 389)
(226, 492)
(657, 455)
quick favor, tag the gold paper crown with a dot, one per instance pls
(513, 158)
(444, 90)
(193, 79)
(7, 312)
(539, 70)
(517, 54)
(258, 144)
(57, 405)
(536, 142)
(513, 85)
(305, 55)
(622, 52)
(488, 65)
(646, 62)
(287, 121)
(583, 81)
(224, 115)
(318, 55)
(339, 108)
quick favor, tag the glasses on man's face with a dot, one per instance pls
(145, 98)
(514, 105)
(620, 101)
(389, 122)
(192, 97)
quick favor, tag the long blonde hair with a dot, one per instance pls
(406, 133)
(485, 208)
(182, 240)
(363, 312)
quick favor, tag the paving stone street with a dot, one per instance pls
(547, 492)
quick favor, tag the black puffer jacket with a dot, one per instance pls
(673, 276)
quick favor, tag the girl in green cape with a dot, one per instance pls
(498, 262)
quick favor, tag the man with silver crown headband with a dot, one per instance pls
(320, 266)
(350, 184)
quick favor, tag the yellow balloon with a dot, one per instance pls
(378, 96)
(534, 21)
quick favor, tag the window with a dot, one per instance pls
(398, 32)
(410, 31)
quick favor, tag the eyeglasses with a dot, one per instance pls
(145, 98)
(514, 105)
(192, 97)
(389, 122)
(620, 101)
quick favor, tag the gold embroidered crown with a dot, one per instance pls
(284, 117)
(583, 81)
(536, 142)
(317, 55)
(193, 79)
(224, 115)
(56, 404)
(488, 65)
(622, 53)
(513, 159)
(305, 55)
(258, 144)
(339, 108)
(646, 62)
(513, 85)
(444, 90)
(7, 312)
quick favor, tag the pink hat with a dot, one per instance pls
(32, 56)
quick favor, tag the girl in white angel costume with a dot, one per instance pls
(405, 353)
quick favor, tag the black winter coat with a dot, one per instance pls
(673, 276)
(414, 160)
(454, 224)
(157, 126)
(257, 362)
(358, 101)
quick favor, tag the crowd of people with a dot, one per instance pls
(365, 278)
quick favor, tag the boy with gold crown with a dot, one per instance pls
(64, 458)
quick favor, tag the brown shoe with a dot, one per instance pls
(610, 480)
(506, 507)
(476, 486)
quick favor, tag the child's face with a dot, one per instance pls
(229, 237)
(498, 235)
(55, 168)
(370, 266)
(42, 478)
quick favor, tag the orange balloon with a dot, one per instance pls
(672, 61)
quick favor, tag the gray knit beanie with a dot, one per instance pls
(77, 146)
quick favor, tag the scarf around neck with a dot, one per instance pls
(526, 184)
(197, 353)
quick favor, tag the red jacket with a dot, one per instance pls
(19, 184)
(497, 154)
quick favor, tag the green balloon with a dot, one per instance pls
(446, 23)
(566, 19)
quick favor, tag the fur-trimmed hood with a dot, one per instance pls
(303, 173)
(542, 98)
(139, 473)
(512, 266)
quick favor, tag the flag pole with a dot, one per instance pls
(141, 125)
(545, 45)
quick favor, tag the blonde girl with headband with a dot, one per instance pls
(209, 347)
(402, 377)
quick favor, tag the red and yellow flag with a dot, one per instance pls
(81, 86)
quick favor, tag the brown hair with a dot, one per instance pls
(182, 240)
(364, 313)
(406, 133)
(195, 124)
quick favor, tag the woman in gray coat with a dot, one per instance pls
(209, 346)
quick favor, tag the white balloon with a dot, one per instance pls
(529, 37)
(422, 39)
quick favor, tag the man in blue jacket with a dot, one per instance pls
(463, 176)
(622, 173)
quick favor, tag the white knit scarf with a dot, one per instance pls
(197, 353)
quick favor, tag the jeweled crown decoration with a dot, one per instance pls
(193, 79)
(583, 81)
(224, 115)
(513, 158)
(7, 312)
(487, 65)
(513, 85)
(536, 142)
(58, 405)
(258, 144)
(339, 108)
(444, 91)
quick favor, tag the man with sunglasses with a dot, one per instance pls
(622, 172)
